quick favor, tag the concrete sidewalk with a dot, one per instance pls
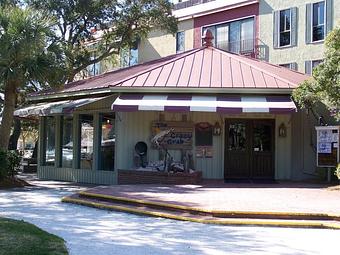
(281, 197)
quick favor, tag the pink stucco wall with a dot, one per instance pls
(225, 16)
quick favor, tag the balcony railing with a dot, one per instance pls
(189, 3)
(244, 47)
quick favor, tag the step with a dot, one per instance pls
(188, 216)
(212, 213)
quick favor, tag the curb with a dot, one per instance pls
(235, 222)
(216, 213)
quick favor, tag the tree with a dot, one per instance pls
(26, 59)
(325, 85)
(119, 23)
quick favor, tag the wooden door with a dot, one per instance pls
(249, 149)
(263, 149)
(237, 149)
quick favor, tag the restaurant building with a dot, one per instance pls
(232, 116)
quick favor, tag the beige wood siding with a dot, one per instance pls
(77, 175)
(136, 126)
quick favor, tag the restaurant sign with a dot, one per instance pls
(180, 137)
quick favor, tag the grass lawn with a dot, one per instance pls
(22, 238)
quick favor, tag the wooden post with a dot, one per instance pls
(76, 142)
(41, 143)
(58, 131)
(96, 141)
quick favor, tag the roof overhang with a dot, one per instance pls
(210, 8)
(107, 91)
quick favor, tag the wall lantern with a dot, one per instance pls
(282, 130)
(217, 129)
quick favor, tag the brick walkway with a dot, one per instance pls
(282, 197)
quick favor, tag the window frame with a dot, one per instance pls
(253, 17)
(279, 29)
(311, 21)
(44, 161)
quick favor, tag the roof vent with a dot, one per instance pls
(207, 38)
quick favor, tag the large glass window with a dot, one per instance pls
(318, 20)
(67, 142)
(285, 27)
(236, 36)
(222, 36)
(86, 141)
(94, 69)
(49, 157)
(180, 40)
(108, 139)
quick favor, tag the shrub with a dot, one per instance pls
(9, 163)
(337, 172)
(3, 164)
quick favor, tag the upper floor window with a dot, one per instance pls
(236, 36)
(180, 41)
(129, 57)
(292, 66)
(318, 21)
(285, 28)
(311, 64)
(94, 69)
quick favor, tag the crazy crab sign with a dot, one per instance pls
(180, 138)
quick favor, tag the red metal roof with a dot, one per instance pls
(205, 67)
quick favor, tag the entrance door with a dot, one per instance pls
(249, 150)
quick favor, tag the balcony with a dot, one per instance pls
(244, 47)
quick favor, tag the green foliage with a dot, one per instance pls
(22, 238)
(121, 23)
(4, 165)
(337, 172)
(9, 163)
(325, 85)
(27, 55)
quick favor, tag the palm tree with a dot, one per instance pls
(25, 59)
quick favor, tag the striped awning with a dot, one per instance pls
(228, 104)
(44, 109)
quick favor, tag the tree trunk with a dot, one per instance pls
(7, 115)
(13, 140)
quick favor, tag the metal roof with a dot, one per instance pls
(198, 69)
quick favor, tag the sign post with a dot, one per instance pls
(328, 138)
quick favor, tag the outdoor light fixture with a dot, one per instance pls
(217, 129)
(282, 130)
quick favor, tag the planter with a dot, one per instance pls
(154, 177)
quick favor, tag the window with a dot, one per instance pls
(315, 63)
(50, 128)
(236, 36)
(129, 57)
(86, 141)
(108, 139)
(292, 66)
(311, 64)
(67, 142)
(94, 69)
(318, 21)
(180, 41)
(285, 28)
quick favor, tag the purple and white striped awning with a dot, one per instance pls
(228, 104)
(60, 107)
